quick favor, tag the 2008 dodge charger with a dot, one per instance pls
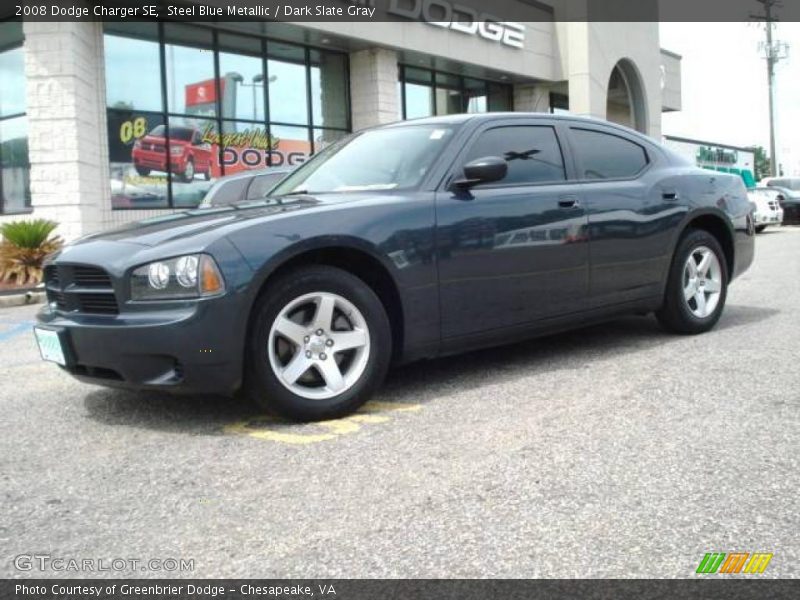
(402, 242)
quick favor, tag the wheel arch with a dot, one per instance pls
(717, 224)
(351, 256)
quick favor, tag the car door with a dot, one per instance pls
(632, 213)
(512, 251)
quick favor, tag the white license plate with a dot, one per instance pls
(50, 345)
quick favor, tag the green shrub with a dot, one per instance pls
(24, 247)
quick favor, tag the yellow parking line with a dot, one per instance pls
(273, 429)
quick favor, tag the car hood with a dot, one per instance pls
(198, 222)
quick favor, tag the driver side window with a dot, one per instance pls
(532, 153)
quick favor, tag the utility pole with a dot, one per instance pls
(773, 52)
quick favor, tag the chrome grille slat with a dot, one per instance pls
(80, 288)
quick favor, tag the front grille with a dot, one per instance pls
(80, 288)
(90, 277)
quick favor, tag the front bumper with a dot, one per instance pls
(768, 218)
(191, 347)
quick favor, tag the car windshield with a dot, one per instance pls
(380, 159)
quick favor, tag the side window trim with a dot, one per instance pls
(648, 154)
(455, 169)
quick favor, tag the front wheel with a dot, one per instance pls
(760, 228)
(697, 286)
(320, 346)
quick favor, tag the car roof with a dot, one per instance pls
(457, 119)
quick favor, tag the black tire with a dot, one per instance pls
(143, 171)
(207, 174)
(760, 228)
(261, 384)
(675, 314)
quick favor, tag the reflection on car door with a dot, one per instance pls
(515, 250)
(632, 214)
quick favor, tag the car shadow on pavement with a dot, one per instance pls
(415, 383)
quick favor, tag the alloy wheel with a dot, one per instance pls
(702, 282)
(319, 345)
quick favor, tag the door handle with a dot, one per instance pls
(671, 195)
(568, 202)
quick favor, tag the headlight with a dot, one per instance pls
(176, 150)
(190, 276)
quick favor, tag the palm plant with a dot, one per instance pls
(23, 249)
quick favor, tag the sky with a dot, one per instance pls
(724, 85)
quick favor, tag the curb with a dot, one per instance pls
(29, 297)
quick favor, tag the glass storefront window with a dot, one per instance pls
(193, 158)
(329, 89)
(133, 64)
(137, 154)
(15, 195)
(288, 87)
(241, 78)
(191, 86)
(427, 93)
(291, 146)
(419, 101)
(12, 73)
(232, 102)
(15, 168)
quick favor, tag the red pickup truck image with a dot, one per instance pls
(188, 153)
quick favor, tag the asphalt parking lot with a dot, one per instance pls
(614, 451)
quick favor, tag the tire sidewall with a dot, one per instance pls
(688, 245)
(262, 383)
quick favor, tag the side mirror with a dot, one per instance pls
(482, 170)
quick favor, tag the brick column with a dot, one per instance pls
(66, 124)
(373, 87)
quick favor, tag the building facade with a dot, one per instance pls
(105, 123)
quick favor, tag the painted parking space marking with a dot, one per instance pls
(273, 429)
(8, 332)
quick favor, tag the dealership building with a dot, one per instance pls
(105, 123)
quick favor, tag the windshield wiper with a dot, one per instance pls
(294, 193)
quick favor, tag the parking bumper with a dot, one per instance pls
(188, 349)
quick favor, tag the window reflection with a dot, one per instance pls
(288, 89)
(15, 167)
(329, 89)
(133, 67)
(191, 87)
(291, 146)
(241, 79)
(233, 102)
(427, 93)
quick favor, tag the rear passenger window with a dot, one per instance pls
(606, 156)
(532, 153)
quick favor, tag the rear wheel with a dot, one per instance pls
(143, 171)
(697, 286)
(320, 347)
